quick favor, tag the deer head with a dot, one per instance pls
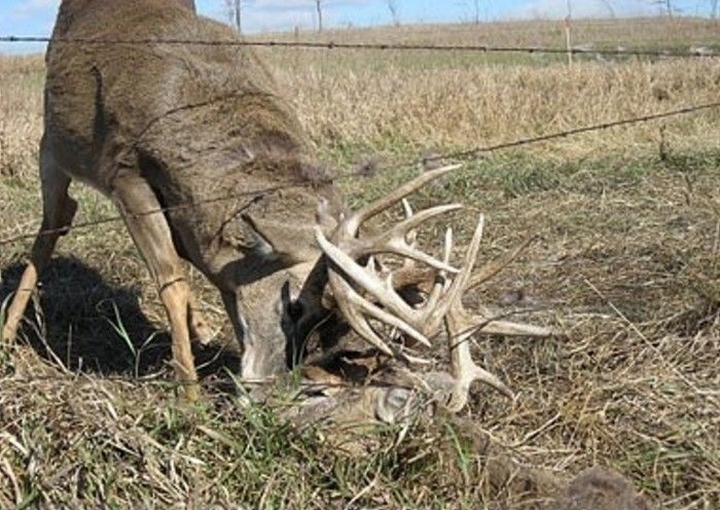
(207, 161)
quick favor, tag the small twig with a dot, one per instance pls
(535, 433)
(5, 465)
(716, 240)
(493, 268)
(362, 492)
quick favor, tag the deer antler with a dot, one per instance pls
(442, 310)
(344, 248)
(461, 325)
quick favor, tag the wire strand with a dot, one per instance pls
(458, 155)
(378, 46)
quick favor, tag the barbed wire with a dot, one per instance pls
(700, 51)
(467, 154)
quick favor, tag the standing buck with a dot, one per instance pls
(163, 130)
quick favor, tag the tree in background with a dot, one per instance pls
(394, 12)
(318, 7)
(609, 8)
(665, 5)
(234, 14)
(713, 9)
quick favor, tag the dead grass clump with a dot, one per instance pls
(21, 79)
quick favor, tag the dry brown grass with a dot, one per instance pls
(626, 262)
(442, 100)
(443, 108)
(677, 33)
(20, 113)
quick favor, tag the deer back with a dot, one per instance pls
(197, 121)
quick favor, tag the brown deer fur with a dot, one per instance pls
(157, 125)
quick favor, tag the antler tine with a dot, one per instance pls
(441, 279)
(410, 236)
(322, 213)
(489, 326)
(436, 313)
(381, 291)
(395, 241)
(407, 208)
(464, 369)
(461, 326)
(351, 304)
(352, 223)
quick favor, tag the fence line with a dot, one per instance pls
(468, 154)
(330, 45)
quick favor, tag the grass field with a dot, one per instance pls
(625, 261)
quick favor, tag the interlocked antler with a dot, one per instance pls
(442, 311)
(460, 324)
(344, 248)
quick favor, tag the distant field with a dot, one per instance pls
(626, 261)
(678, 33)
(360, 102)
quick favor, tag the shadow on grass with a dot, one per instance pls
(92, 326)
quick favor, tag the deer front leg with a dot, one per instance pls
(58, 212)
(151, 234)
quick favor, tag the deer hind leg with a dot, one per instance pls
(58, 212)
(152, 236)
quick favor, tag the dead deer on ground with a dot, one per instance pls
(163, 128)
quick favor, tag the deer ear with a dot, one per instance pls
(287, 241)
